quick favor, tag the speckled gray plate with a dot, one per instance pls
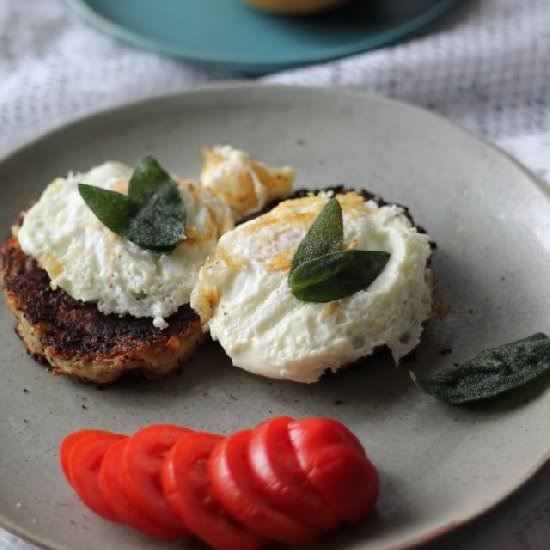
(439, 466)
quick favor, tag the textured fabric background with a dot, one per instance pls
(486, 66)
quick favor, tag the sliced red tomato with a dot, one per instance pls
(68, 444)
(140, 473)
(83, 467)
(282, 481)
(335, 464)
(115, 496)
(186, 485)
(234, 487)
(319, 432)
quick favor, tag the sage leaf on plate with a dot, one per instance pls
(336, 275)
(325, 235)
(152, 215)
(492, 372)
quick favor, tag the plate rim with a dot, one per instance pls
(387, 37)
(214, 86)
(244, 86)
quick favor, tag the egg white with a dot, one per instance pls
(243, 183)
(243, 298)
(93, 264)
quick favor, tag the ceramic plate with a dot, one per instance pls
(225, 32)
(439, 466)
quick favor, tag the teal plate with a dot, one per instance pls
(227, 33)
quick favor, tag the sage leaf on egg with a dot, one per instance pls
(337, 275)
(321, 271)
(492, 372)
(152, 215)
(110, 208)
(145, 180)
(325, 235)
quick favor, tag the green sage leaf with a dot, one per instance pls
(325, 235)
(148, 176)
(336, 275)
(111, 208)
(152, 215)
(492, 372)
(159, 223)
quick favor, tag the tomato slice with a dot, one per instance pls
(319, 432)
(68, 444)
(113, 493)
(140, 473)
(282, 481)
(234, 487)
(335, 464)
(186, 485)
(83, 470)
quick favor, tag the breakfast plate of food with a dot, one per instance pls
(250, 314)
(272, 34)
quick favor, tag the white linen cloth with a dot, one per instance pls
(487, 66)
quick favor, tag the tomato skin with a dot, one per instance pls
(234, 487)
(113, 493)
(317, 432)
(335, 463)
(285, 481)
(187, 487)
(140, 472)
(67, 446)
(282, 481)
(83, 469)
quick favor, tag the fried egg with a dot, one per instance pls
(243, 298)
(93, 264)
(246, 185)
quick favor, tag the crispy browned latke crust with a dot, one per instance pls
(75, 338)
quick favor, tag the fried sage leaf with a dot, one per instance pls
(492, 372)
(336, 275)
(325, 235)
(110, 208)
(152, 215)
(145, 180)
